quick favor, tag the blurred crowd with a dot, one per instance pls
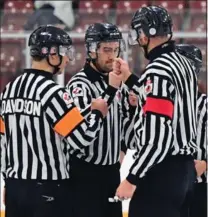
(76, 16)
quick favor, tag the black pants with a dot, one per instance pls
(26, 198)
(92, 186)
(196, 204)
(198, 207)
(162, 191)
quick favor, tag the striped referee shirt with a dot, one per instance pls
(165, 122)
(105, 149)
(3, 145)
(202, 135)
(36, 116)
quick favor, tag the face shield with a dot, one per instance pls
(111, 47)
(132, 37)
(68, 51)
(63, 51)
(135, 35)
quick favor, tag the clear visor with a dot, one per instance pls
(132, 37)
(108, 47)
(68, 51)
(63, 51)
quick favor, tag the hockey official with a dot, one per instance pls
(165, 122)
(36, 115)
(95, 170)
(198, 204)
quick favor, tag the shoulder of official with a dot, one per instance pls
(80, 78)
(151, 71)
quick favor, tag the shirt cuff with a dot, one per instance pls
(131, 81)
(98, 114)
(109, 94)
(123, 147)
(133, 179)
(111, 90)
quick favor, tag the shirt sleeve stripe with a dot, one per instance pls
(68, 122)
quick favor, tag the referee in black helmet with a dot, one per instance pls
(197, 206)
(95, 170)
(165, 122)
(36, 115)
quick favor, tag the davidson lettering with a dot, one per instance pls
(28, 107)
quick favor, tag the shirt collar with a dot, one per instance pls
(46, 74)
(166, 47)
(94, 75)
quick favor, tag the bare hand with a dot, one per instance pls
(101, 105)
(122, 67)
(115, 79)
(116, 67)
(133, 99)
(200, 166)
(125, 190)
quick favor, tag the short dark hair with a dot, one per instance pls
(37, 58)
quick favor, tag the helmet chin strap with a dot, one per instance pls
(56, 67)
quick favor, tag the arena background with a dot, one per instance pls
(189, 25)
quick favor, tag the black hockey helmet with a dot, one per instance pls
(49, 40)
(153, 20)
(102, 32)
(192, 53)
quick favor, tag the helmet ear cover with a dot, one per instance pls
(36, 51)
(150, 26)
(43, 52)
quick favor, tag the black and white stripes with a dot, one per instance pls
(3, 144)
(165, 122)
(202, 135)
(83, 87)
(38, 115)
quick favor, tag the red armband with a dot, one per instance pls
(160, 106)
